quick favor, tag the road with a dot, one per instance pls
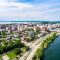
(34, 47)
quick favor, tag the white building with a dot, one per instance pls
(50, 27)
(54, 25)
(35, 28)
(13, 27)
(3, 29)
(20, 28)
(39, 35)
(7, 28)
(30, 23)
(25, 26)
(58, 24)
(37, 25)
(16, 35)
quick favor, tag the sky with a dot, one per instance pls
(29, 10)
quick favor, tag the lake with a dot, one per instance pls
(53, 51)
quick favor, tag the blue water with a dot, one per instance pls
(8, 22)
(29, 21)
(53, 51)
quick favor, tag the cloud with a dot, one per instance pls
(6, 4)
(13, 10)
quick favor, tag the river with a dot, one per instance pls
(53, 51)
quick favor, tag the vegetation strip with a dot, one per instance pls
(44, 45)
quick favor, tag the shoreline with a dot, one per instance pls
(47, 47)
(43, 47)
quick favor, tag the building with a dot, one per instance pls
(30, 23)
(18, 28)
(54, 25)
(16, 35)
(10, 27)
(2, 27)
(50, 27)
(21, 28)
(36, 28)
(23, 38)
(58, 24)
(39, 35)
(25, 26)
(9, 31)
(14, 27)
(7, 28)
(44, 29)
(31, 34)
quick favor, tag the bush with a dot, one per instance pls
(39, 53)
(5, 43)
(34, 57)
(27, 48)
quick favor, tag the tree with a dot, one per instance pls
(0, 45)
(37, 32)
(39, 53)
(0, 32)
(10, 37)
(42, 47)
(27, 48)
(11, 46)
(20, 32)
(0, 37)
(45, 45)
(17, 51)
(27, 39)
(3, 40)
(5, 43)
(19, 38)
(3, 33)
(34, 57)
(17, 58)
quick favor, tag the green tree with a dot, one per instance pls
(39, 53)
(10, 37)
(42, 47)
(3, 33)
(17, 51)
(5, 43)
(0, 32)
(34, 57)
(27, 48)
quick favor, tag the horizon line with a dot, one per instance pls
(29, 21)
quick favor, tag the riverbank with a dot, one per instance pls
(53, 50)
(43, 46)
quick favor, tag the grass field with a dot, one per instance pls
(11, 55)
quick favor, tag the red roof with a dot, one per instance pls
(23, 37)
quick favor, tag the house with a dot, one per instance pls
(16, 35)
(23, 38)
